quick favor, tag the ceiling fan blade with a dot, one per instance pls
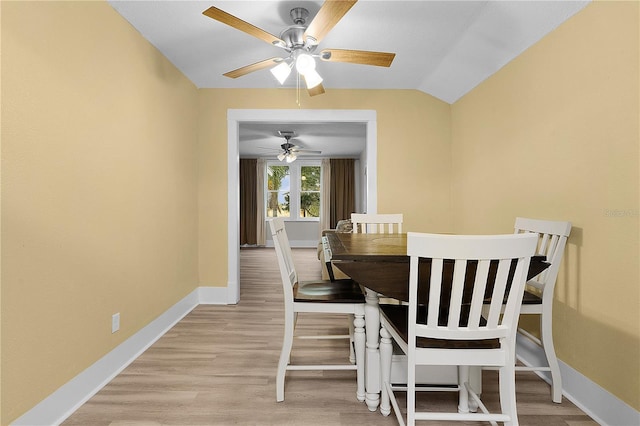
(251, 68)
(327, 17)
(237, 23)
(268, 149)
(306, 151)
(364, 57)
(297, 148)
(317, 90)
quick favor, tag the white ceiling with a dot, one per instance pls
(338, 140)
(443, 48)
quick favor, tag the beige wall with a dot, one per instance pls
(413, 158)
(554, 135)
(99, 178)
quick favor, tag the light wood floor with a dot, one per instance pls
(217, 367)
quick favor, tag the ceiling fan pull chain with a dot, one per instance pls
(298, 89)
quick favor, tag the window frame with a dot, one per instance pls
(295, 174)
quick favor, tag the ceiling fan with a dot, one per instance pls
(289, 151)
(300, 41)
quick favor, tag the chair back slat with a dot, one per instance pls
(477, 298)
(472, 258)
(511, 309)
(543, 244)
(366, 223)
(499, 290)
(434, 287)
(285, 256)
(457, 290)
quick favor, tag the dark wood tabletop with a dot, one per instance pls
(380, 262)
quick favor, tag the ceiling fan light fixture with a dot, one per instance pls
(281, 71)
(281, 156)
(312, 78)
(291, 157)
(305, 63)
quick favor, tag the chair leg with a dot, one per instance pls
(285, 353)
(463, 394)
(359, 343)
(386, 354)
(411, 389)
(352, 353)
(546, 338)
(507, 384)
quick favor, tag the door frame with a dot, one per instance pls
(234, 118)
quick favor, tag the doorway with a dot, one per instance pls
(234, 118)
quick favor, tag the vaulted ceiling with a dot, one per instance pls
(443, 48)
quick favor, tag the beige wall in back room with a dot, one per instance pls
(554, 135)
(413, 167)
(99, 191)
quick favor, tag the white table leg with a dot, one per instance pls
(372, 365)
(386, 353)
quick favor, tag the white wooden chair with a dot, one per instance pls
(377, 223)
(448, 328)
(321, 296)
(538, 296)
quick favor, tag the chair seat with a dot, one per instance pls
(530, 298)
(398, 318)
(339, 291)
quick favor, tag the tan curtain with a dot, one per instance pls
(260, 213)
(343, 195)
(325, 203)
(248, 208)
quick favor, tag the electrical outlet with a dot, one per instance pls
(115, 322)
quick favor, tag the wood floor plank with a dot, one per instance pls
(217, 367)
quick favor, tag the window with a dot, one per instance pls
(310, 191)
(278, 190)
(293, 190)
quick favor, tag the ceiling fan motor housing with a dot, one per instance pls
(293, 36)
(287, 135)
(299, 15)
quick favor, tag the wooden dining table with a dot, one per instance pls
(379, 263)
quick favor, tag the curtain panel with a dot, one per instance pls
(261, 232)
(342, 194)
(325, 212)
(248, 201)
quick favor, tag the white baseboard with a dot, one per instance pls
(214, 296)
(54, 409)
(601, 405)
(595, 401)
